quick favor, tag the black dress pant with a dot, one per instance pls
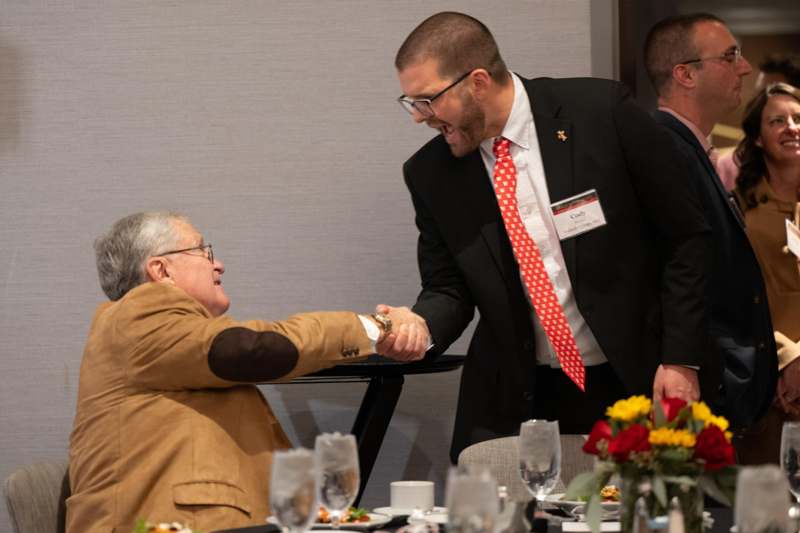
(556, 397)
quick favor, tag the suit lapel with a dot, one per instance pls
(555, 145)
(477, 201)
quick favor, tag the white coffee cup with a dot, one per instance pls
(410, 495)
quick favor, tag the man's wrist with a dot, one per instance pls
(374, 328)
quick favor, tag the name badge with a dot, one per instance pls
(793, 238)
(578, 214)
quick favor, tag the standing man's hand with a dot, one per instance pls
(675, 381)
(409, 338)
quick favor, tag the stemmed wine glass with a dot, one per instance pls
(472, 504)
(759, 506)
(539, 457)
(337, 462)
(292, 489)
(790, 461)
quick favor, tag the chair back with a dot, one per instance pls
(501, 458)
(36, 497)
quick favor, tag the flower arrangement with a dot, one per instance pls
(146, 527)
(670, 449)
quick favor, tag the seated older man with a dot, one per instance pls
(166, 426)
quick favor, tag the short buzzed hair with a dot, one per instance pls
(459, 43)
(671, 42)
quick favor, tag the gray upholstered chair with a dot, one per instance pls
(500, 457)
(36, 497)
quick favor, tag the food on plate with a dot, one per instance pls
(351, 516)
(609, 493)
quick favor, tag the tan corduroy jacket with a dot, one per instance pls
(159, 436)
(766, 229)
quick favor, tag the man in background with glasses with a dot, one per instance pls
(169, 426)
(556, 208)
(696, 68)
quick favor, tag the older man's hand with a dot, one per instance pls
(409, 339)
(675, 381)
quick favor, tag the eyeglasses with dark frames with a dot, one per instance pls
(209, 252)
(732, 56)
(423, 105)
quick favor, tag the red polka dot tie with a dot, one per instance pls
(529, 259)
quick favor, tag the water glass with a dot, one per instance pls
(790, 456)
(762, 502)
(337, 463)
(539, 456)
(292, 489)
(472, 503)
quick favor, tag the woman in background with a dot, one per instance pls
(767, 190)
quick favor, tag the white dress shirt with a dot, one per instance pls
(533, 201)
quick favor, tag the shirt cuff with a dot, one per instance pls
(371, 329)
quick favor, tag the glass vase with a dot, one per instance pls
(689, 497)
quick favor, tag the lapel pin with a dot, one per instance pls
(562, 135)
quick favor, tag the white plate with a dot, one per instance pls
(396, 511)
(375, 520)
(436, 517)
(567, 506)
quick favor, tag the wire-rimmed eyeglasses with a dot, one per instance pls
(209, 252)
(423, 105)
(732, 56)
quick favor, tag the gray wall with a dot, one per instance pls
(273, 126)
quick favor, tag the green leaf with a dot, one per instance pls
(356, 513)
(594, 513)
(711, 488)
(695, 426)
(678, 455)
(680, 480)
(659, 418)
(721, 486)
(660, 490)
(582, 487)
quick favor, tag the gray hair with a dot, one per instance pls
(121, 253)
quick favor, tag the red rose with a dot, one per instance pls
(632, 439)
(600, 431)
(671, 407)
(713, 448)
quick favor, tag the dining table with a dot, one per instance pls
(385, 377)
(723, 520)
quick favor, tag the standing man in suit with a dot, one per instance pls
(555, 208)
(696, 67)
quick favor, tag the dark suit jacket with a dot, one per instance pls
(739, 313)
(638, 281)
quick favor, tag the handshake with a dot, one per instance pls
(408, 337)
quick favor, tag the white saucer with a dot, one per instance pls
(397, 511)
(434, 517)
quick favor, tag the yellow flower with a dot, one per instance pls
(700, 411)
(720, 421)
(672, 437)
(630, 409)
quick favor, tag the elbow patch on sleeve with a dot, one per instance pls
(241, 354)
